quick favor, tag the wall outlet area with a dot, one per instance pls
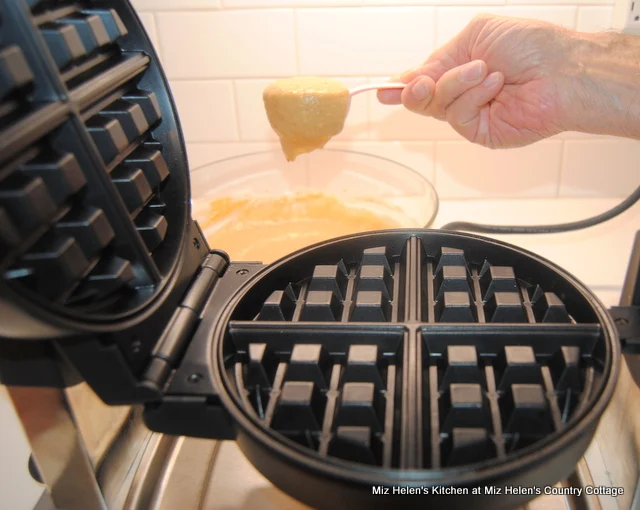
(626, 16)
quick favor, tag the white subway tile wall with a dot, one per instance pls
(203, 154)
(361, 41)
(252, 118)
(471, 171)
(240, 4)
(552, 2)
(435, 2)
(450, 20)
(174, 5)
(207, 110)
(595, 18)
(603, 169)
(227, 44)
(220, 54)
(149, 23)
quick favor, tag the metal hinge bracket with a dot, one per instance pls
(179, 331)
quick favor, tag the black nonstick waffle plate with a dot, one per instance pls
(93, 178)
(421, 359)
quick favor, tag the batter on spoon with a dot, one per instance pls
(306, 112)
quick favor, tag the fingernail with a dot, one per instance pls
(389, 96)
(421, 91)
(492, 79)
(472, 71)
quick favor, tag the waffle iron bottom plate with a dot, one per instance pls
(440, 366)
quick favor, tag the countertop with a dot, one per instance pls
(597, 256)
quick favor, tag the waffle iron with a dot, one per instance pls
(406, 367)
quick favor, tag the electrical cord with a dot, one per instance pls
(547, 229)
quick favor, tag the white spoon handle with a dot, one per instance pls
(376, 86)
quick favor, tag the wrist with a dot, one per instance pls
(604, 79)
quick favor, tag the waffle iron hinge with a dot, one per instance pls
(190, 404)
(180, 328)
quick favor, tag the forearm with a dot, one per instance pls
(607, 81)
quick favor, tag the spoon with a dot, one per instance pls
(307, 111)
(375, 86)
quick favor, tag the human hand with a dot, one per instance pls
(501, 82)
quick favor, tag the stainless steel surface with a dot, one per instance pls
(141, 470)
(235, 483)
(119, 467)
(71, 432)
(611, 460)
(582, 478)
(98, 423)
(613, 456)
(144, 483)
(200, 474)
(186, 478)
(215, 475)
(58, 447)
(90, 455)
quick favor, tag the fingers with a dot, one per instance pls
(418, 93)
(468, 114)
(392, 96)
(389, 96)
(438, 68)
(458, 95)
(453, 84)
(433, 68)
(451, 55)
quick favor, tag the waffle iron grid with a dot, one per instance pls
(363, 363)
(86, 196)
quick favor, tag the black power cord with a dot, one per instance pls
(547, 229)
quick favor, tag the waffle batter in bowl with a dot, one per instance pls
(261, 207)
(278, 226)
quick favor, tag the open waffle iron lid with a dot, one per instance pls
(415, 358)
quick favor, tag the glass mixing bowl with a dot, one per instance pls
(260, 207)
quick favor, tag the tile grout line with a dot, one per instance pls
(296, 49)
(436, 20)
(563, 163)
(236, 110)
(434, 28)
(369, 122)
(369, 110)
(434, 172)
(156, 29)
(262, 77)
(319, 6)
